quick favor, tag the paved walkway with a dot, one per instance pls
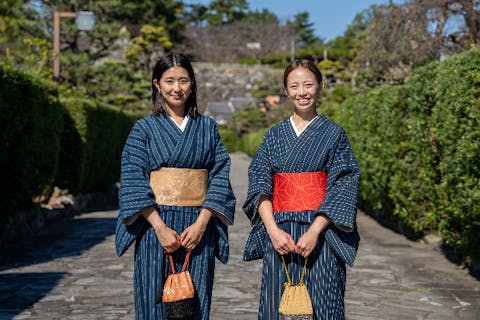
(72, 272)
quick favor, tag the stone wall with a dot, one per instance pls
(220, 82)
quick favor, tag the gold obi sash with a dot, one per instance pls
(183, 187)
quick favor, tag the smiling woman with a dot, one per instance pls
(167, 155)
(304, 152)
(175, 87)
(303, 83)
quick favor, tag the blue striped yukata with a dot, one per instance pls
(156, 141)
(322, 146)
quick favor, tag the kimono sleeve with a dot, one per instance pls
(135, 192)
(260, 181)
(220, 195)
(340, 202)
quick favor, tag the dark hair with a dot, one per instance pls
(304, 63)
(169, 61)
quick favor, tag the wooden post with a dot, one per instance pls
(56, 40)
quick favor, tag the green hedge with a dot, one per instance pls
(250, 142)
(75, 144)
(373, 121)
(454, 137)
(92, 143)
(418, 147)
(229, 139)
(247, 143)
(30, 127)
(415, 181)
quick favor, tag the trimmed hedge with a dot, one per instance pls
(75, 144)
(453, 134)
(248, 143)
(229, 139)
(415, 180)
(30, 127)
(418, 147)
(373, 121)
(251, 141)
(92, 143)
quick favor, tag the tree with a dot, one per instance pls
(81, 50)
(95, 63)
(23, 41)
(168, 14)
(226, 11)
(405, 36)
(304, 30)
(116, 83)
(228, 42)
(196, 14)
(264, 16)
(148, 47)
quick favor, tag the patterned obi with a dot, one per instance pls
(183, 187)
(298, 191)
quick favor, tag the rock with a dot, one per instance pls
(432, 239)
(60, 198)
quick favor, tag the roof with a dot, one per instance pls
(237, 102)
(218, 108)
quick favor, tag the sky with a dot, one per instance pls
(330, 18)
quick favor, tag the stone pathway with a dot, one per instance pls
(72, 272)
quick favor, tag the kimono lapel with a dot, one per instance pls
(287, 134)
(165, 139)
(300, 146)
(184, 150)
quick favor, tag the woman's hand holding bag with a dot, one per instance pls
(295, 302)
(178, 292)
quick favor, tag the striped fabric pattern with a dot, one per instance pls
(155, 141)
(323, 146)
(324, 277)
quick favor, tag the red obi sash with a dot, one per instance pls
(298, 191)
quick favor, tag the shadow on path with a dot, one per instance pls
(64, 239)
(69, 238)
(22, 290)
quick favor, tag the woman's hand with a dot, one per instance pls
(193, 234)
(169, 238)
(307, 243)
(281, 240)
(309, 239)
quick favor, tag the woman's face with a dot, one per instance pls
(302, 89)
(175, 85)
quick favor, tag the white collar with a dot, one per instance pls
(298, 132)
(183, 125)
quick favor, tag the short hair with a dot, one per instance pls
(171, 60)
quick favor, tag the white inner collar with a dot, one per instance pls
(298, 132)
(183, 125)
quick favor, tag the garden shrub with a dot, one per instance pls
(92, 143)
(455, 128)
(30, 126)
(229, 139)
(373, 122)
(418, 147)
(251, 141)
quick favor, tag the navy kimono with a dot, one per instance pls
(156, 141)
(322, 146)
